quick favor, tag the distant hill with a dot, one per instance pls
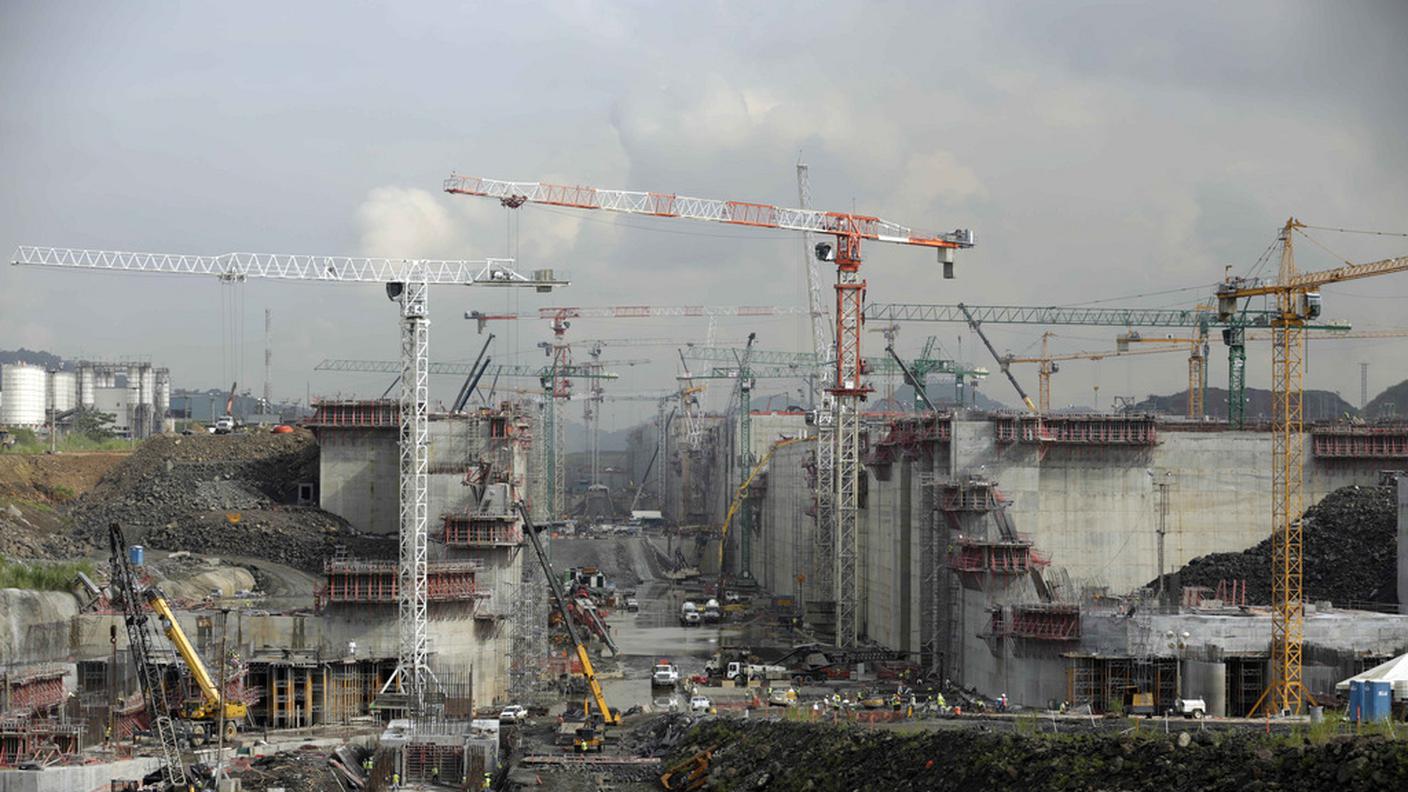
(33, 357)
(1391, 403)
(1320, 405)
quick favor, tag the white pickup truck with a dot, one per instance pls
(664, 675)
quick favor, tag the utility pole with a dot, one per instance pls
(1363, 385)
(268, 361)
(1161, 485)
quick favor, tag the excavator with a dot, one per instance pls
(588, 738)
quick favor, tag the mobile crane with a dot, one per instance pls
(212, 700)
(608, 717)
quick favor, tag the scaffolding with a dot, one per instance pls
(375, 581)
(1095, 430)
(1104, 681)
(997, 556)
(1046, 621)
(356, 413)
(1360, 442)
(482, 530)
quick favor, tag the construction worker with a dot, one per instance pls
(1002, 703)
(488, 780)
(395, 780)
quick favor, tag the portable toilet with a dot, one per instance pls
(136, 555)
(1356, 700)
(1378, 700)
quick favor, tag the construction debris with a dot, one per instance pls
(785, 756)
(1351, 553)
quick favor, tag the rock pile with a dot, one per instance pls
(223, 494)
(1351, 552)
(784, 756)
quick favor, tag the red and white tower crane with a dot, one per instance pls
(849, 231)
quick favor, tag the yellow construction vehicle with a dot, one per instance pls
(208, 709)
(608, 717)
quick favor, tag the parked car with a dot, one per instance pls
(513, 713)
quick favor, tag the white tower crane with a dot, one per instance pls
(408, 282)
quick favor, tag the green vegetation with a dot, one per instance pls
(41, 576)
(27, 443)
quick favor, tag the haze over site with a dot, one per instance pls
(1097, 152)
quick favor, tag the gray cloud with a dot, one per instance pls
(1098, 152)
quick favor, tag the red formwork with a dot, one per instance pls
(910, 437)
(967, 496)
(1045, 622)
(1360, 442)
(28, 739)
(480, 530)
(999, 557)
(368, 413)
(348, 581)
(34, 692)
(1130, 430)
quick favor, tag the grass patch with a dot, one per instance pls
(26, 443)
(41, 576)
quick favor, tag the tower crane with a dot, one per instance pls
(849, 231)
(1297, 302)
(407, 281)
(1233, 326)
(1048, 364)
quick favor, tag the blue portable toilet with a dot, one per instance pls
(1356, 700)
(136, 555)
(1378, 700)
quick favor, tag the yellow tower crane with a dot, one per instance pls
(1197, 347)
(1047, 363)
(1297, 302)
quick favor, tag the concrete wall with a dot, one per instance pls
(1403, 544)
(358, 477)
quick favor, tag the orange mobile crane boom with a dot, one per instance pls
(849, 230)
(1297, 302)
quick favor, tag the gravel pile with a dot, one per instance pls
(792, 756)
(1351, 553)
(220, 494)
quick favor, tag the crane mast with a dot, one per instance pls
(407, 282)
(1297, 302)
(848, 231)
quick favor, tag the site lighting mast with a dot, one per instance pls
(408, 282)
(848, 231)
(1297, 302)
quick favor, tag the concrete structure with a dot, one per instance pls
(955, 515)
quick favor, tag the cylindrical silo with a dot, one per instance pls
(164, 392)
(147, 384)
(63, 390)
(25, 390)
(87, 385)
(138, 427)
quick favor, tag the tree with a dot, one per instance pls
(92, 424)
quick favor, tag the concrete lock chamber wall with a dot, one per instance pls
(25, 388)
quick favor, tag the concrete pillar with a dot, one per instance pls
(1403, 544)
(1207, 680)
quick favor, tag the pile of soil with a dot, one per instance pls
(33, 488)
(220, 494)
(782, 756)
(1351, 553)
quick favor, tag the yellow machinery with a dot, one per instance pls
(208, 709)
(1297, 302)
(738, 496)
(608, 717)
(1048, 366)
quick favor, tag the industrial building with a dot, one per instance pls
(135, 394)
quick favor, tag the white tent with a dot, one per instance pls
(1394, 671)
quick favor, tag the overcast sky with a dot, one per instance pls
(1099, 153)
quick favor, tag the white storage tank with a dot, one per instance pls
(163, 392)
(87, 385)
(63, 391)
(147, 385)
(26, 392)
